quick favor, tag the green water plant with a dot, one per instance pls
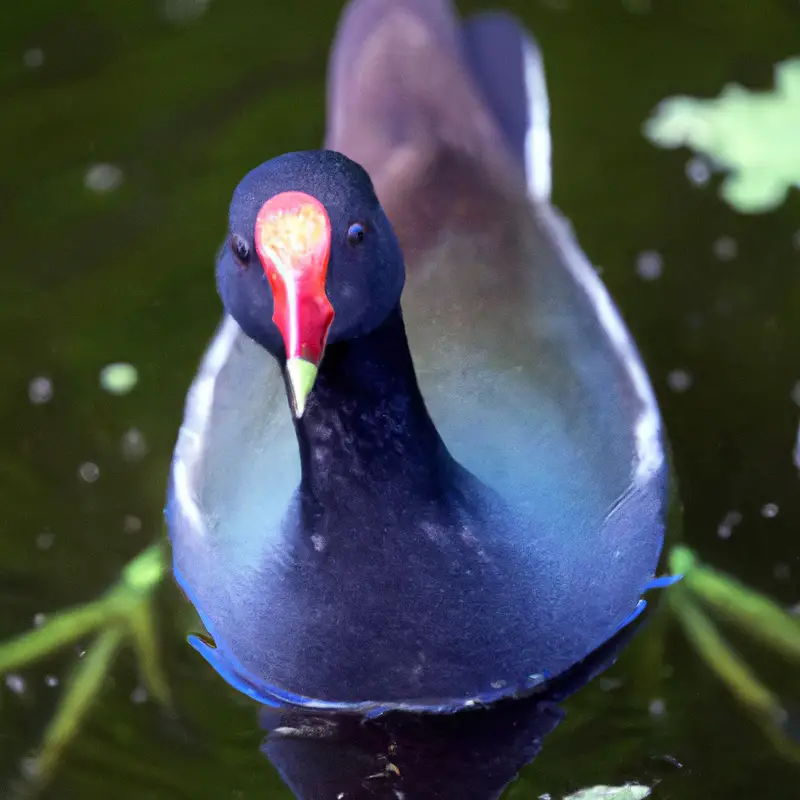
(703, 594)
(629, 792)
(750, 135)
(125, 614)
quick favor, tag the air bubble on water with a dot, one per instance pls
(782, 572)
(102, 178)
(33, 58)
(16, 683)
(134, 445)
(39, 619)
(40, 390)
(679, 380)
(729, 522)
(51, 681)
(44, 541)
(769, 510)
(649, 265)
(131, 524)
(30, 768)
(725, 248)
(698, 171)
(89, 472)
(657, 707)
(184, 10)
(139, 695)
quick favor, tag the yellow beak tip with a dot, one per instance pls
(302, 374)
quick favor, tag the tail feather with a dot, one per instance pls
(407, 81)
(399, 88)
(506, 63)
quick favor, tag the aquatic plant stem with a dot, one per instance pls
(754, 614)
(125, 612)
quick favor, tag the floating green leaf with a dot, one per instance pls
(752, 135)
(119, 378)
(631, 792)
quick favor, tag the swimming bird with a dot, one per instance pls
(421, 466)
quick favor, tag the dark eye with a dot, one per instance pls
(240, 248)
(355, 234)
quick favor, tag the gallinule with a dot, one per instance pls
(421, 466)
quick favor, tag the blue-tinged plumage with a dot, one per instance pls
(474, 499)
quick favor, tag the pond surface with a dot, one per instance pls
(115, 263)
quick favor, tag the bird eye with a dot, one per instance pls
(355, 234)
(240, 248)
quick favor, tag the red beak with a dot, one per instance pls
(293, 241)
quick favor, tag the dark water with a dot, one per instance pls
(184, 109)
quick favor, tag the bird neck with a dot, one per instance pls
(366, 423)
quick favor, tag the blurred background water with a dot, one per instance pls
(124, 127)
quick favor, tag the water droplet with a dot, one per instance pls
(134, 445)
(102, 178)
(89, 472)
(33, 58)
(533, 681)
(44, 541)
(139, 695)
(679, 380)
(782, 572)
(119, 378)
(657, 708)
(649, 265)
(30, 768)
(51, 681)
(184, 10)
(16, 683)
(769, 510)
(318, 542)
(698, 171)
(131, 524)
(40, 390)
(39, 619)
(725, 248)
(729, 522)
